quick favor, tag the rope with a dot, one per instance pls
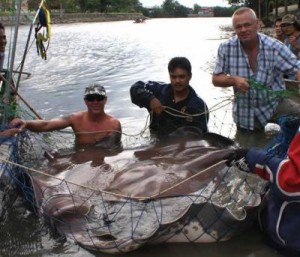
(187, 179)
(182, 114)
(185, 115)
(148, 121)
(278, 93)
(227, 99)
(111, 193)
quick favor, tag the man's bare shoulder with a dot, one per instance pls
(77, 115)
(113, 121)
(112, 118)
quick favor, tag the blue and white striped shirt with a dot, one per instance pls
(273, 59)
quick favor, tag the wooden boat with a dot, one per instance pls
(139, 20)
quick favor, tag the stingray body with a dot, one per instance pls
(178, 191)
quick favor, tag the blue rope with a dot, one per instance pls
(279, 145)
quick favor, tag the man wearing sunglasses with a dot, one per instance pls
(90, 127)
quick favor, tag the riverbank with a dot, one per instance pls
(61, 18)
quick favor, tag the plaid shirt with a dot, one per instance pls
(273, 59)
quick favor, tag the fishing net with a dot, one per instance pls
(111, 205)
(143, 192)
(118, 199)
(279, 145)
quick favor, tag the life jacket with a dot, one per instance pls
(44, 21)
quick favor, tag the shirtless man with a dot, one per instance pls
(89, 126)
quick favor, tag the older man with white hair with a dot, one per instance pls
(253, 64)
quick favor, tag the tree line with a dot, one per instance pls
(169, 8)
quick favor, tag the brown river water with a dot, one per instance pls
(117, 54)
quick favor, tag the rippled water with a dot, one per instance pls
(117, 54)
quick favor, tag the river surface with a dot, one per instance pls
(117, 54)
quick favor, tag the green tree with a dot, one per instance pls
(69, 6)
(33, 4)
(171, 8)
(92, 5)
(181, 11)
(224, 11)
(156, 12)
(82, 5)
(196, 8)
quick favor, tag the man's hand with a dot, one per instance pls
(156, 106)
(236, 155)
(293, 41)
(18, 123)
(293, 123)
(241, 83)
(9, 132)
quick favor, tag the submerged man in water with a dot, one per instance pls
(172, 105)
(90, 126)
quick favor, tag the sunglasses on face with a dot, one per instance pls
(92, 98)
(285, 25)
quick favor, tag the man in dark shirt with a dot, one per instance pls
(172, 105)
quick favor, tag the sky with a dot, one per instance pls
(187, 3)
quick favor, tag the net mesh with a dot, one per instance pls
(105, 199)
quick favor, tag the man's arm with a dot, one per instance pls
(118, 133)
(42, 125)
(298, 75)
(9, 132)
(283, 173)
(143, 96)
(140, 95)
(223, 80)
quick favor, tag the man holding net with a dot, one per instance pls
(90, 126)
(254, 64)
(172, 105)
(279, 217)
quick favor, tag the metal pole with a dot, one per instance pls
(259, 11)
(27, 44)
(12, 60)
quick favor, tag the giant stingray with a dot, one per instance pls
(178, 190)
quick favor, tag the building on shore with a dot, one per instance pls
(203, 12)
(206, 12)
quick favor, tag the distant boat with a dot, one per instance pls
(139, 20)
